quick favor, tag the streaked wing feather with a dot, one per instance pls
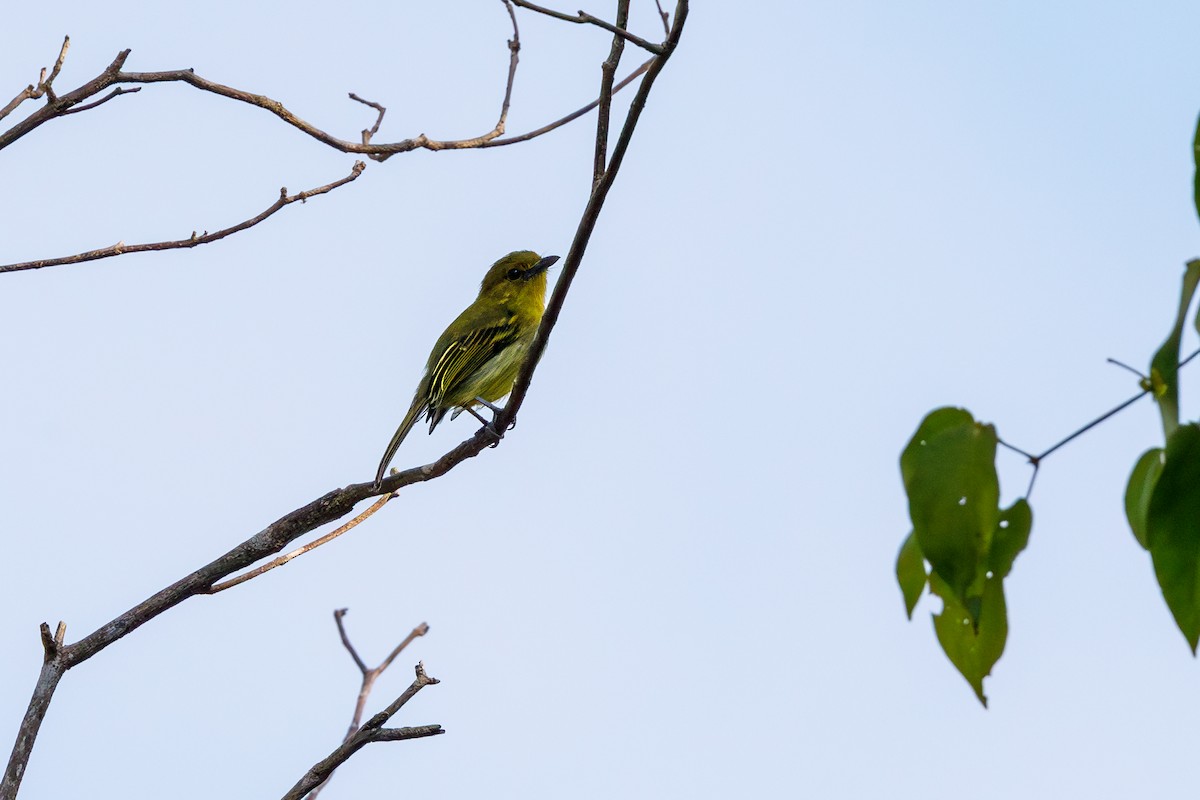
(463, 357)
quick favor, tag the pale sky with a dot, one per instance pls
(674, 577)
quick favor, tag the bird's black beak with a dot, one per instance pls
(541, 266)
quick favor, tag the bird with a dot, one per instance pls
(476, 359)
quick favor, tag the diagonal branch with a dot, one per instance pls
(120, 248)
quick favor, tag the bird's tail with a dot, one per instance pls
(414, 412)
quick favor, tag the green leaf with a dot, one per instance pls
(910, 572)
(1173, 530)
(1196, 158)
(950, 476)
(1141, 486)
(972, 649)
(1010, 538)
(1165, 364)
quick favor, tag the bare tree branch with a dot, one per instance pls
(372, 731)
(339, 502)
(72, 103)
(368, 678)
(120, 248)
(584, 18)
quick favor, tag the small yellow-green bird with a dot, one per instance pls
(476, 360)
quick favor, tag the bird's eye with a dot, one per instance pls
(514, 274)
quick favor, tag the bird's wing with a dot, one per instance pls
(459, 359)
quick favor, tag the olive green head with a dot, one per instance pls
(517, 274)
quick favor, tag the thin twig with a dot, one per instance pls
(117, 92)
(372, 731)
(1125, 367)
(337, 618)
(514, 50)
(120, 248)
(1042, 456)
(299, 551)
(400, 734)
(666, 19)
(58, 63)
(576, 114)
(1036, 460)
(584, 18)
(369, 133)
(608, 72)
(1031, 458)
(368, 677)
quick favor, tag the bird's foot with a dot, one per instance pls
(490, 428)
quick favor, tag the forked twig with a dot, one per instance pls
(368, 677)
(44, 85)
(1035, 460)
(372, 731)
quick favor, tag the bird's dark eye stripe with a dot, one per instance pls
(514, 273)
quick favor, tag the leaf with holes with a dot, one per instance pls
(1010, 538)
(973, 649)
(950, 476)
